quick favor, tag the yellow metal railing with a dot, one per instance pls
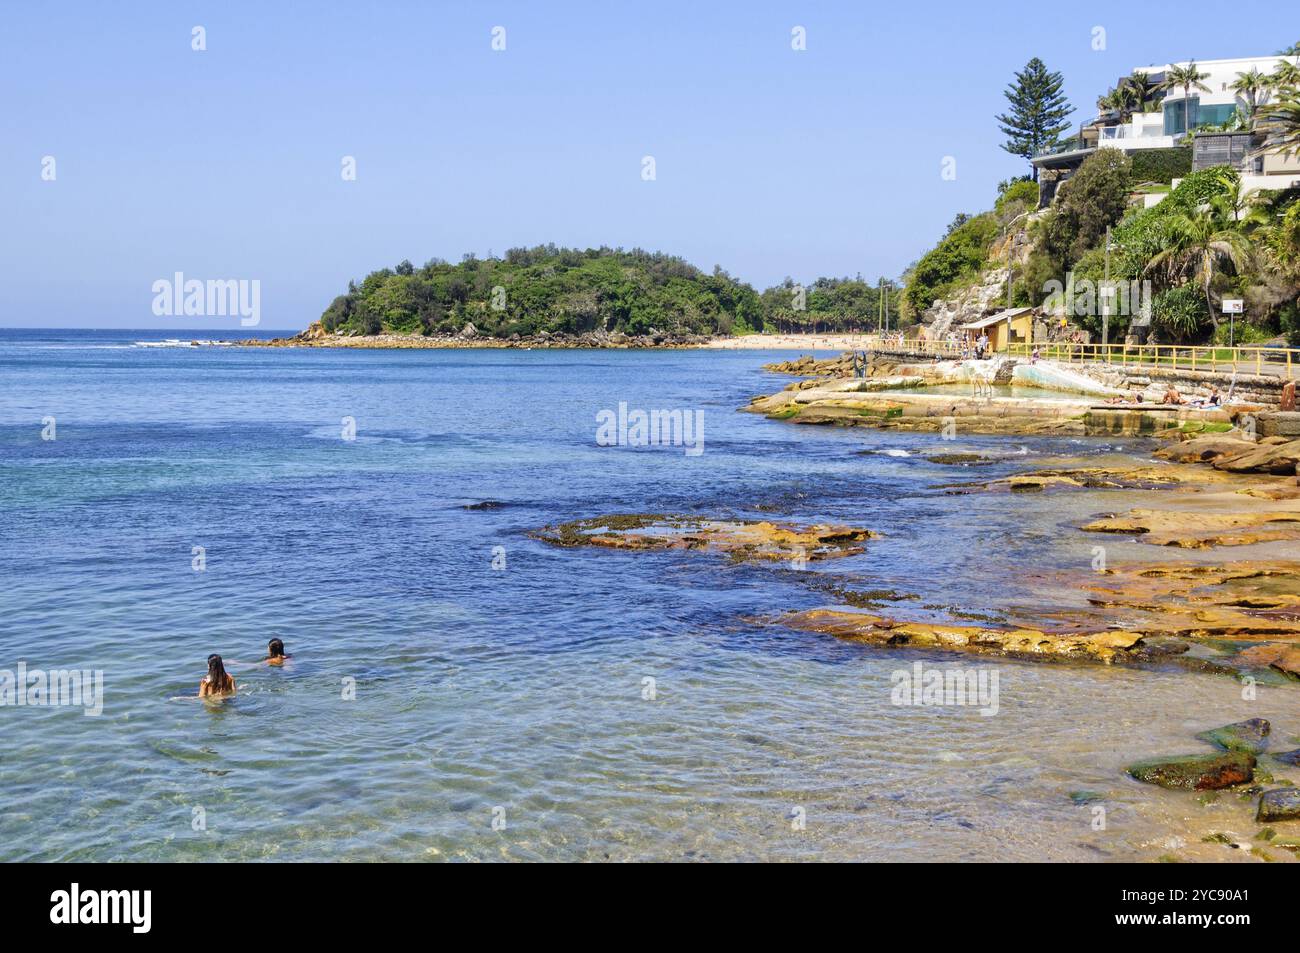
(917, 346)
(1283, 362)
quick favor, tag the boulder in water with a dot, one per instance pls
(1251, 736)
(1280, 805)
(1196, 772)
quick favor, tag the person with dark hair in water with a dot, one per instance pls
(217, 681)
(275, 653)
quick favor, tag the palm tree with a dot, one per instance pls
(1145, 90)
(1200, 245)
(1281, 121)
(1186, 78)
(1250, 86)
(1285, 77)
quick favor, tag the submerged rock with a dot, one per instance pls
(756, 540)
(1288, 757)
(1250, 736)
(1106, 646)
(1196, 772)
(960, 459)
(1277, 656)
(1279, 805)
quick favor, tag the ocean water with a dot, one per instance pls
(439, 708)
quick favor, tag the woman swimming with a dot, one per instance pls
(217, 681)
(275, 653)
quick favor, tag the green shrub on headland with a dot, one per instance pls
(958, 257)
(548, 289)
(566, 291)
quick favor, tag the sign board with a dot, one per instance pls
(1233, 306)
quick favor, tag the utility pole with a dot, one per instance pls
(1105, 296)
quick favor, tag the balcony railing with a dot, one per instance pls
(1072, 144)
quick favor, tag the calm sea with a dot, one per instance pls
(570, 704)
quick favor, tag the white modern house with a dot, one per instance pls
(1168, 121)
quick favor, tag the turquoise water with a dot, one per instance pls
(520, 694)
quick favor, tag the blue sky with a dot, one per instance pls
(226, 163)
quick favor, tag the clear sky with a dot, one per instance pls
(226, 163)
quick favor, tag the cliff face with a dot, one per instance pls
(971, 304)
(988, 292)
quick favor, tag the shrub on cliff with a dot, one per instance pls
(958, 258)
(1087, 203)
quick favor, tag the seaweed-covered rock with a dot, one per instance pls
(1280, 805)
(1196, 772)
(1251, 736)
(748, 540)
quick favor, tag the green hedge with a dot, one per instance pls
(1161, 165)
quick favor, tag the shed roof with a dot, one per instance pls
(996, 318)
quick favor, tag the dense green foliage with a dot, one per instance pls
(829, 304)
(570, 291)
(1180, 311)
(1144, 234)
(1086, 204)
(1161, 165)
(959, 257)
(1038, 111)
(556, 290)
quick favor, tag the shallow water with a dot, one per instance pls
(521, 694)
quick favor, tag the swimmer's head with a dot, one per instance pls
(275, 649)
(216, 670)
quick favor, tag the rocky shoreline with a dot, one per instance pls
(469, 337)
(1214, 485)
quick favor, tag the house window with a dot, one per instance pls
(1214, 115)
(1176, 116)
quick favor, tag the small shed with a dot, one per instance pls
(1012, 326)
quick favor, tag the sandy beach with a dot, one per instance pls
(793, 342)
